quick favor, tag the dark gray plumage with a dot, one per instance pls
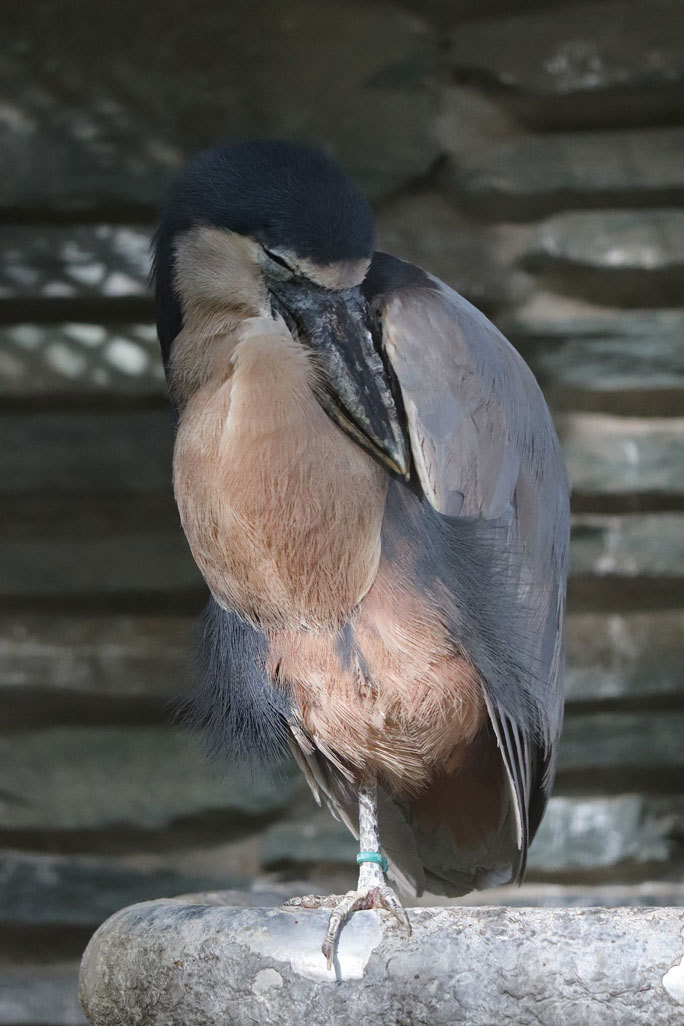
(489, 461)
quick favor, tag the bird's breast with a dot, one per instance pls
(282, 511)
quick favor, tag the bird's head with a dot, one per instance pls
(274, 228)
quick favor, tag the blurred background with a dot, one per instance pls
(530, 153)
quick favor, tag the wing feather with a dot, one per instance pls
(488, 461)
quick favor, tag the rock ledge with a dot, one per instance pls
(195, 961)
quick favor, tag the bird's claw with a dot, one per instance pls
(355, 901)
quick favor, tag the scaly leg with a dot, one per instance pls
(372, 891)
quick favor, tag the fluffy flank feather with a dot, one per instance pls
(243, 713)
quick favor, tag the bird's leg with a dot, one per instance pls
(372, 891)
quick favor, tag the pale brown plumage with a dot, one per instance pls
(282, 511)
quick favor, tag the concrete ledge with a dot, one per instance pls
(194, 961)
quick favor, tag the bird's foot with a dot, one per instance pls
(378, 896)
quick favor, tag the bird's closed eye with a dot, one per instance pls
(277, 259)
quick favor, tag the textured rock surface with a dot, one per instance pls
(622, 834)
(39, 995)
(122, 782)
(633, 657)
(112, 104)
(607, 373)
(629, 546)
(640, 254)
(192, 964)
(593, 63)
(537, 174)
(93, 657)
(128, 451)
(613, 455)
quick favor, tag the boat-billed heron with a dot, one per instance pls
(371, 485)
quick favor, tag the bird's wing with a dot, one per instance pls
(495, 535)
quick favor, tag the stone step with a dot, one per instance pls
(105, 268)
(105, 789)
(618, 463)
(648, 545)
(80, 362)
(79, 451)
(640, 375)
(536, 175)
(549, 317)
(621, 751)
(137, 571)
(80, 891)
(113, 125)
(189, 960)
(40, 995)
(92, 661)
(96, 669)
(589, 357)
(625, 658)
(610, 838)
(626, 258)
(597, 65)
(615, 838)
(623, 562)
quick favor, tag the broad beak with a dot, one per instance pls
(360, 392)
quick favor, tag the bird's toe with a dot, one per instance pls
(382, 897)
(388, 900)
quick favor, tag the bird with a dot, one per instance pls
(370, 482)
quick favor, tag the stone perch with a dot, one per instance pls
(195, 961)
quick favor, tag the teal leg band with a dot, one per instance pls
(373, 856)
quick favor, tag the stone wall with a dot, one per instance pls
(532, 154)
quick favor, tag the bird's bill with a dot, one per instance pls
(359, 396)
